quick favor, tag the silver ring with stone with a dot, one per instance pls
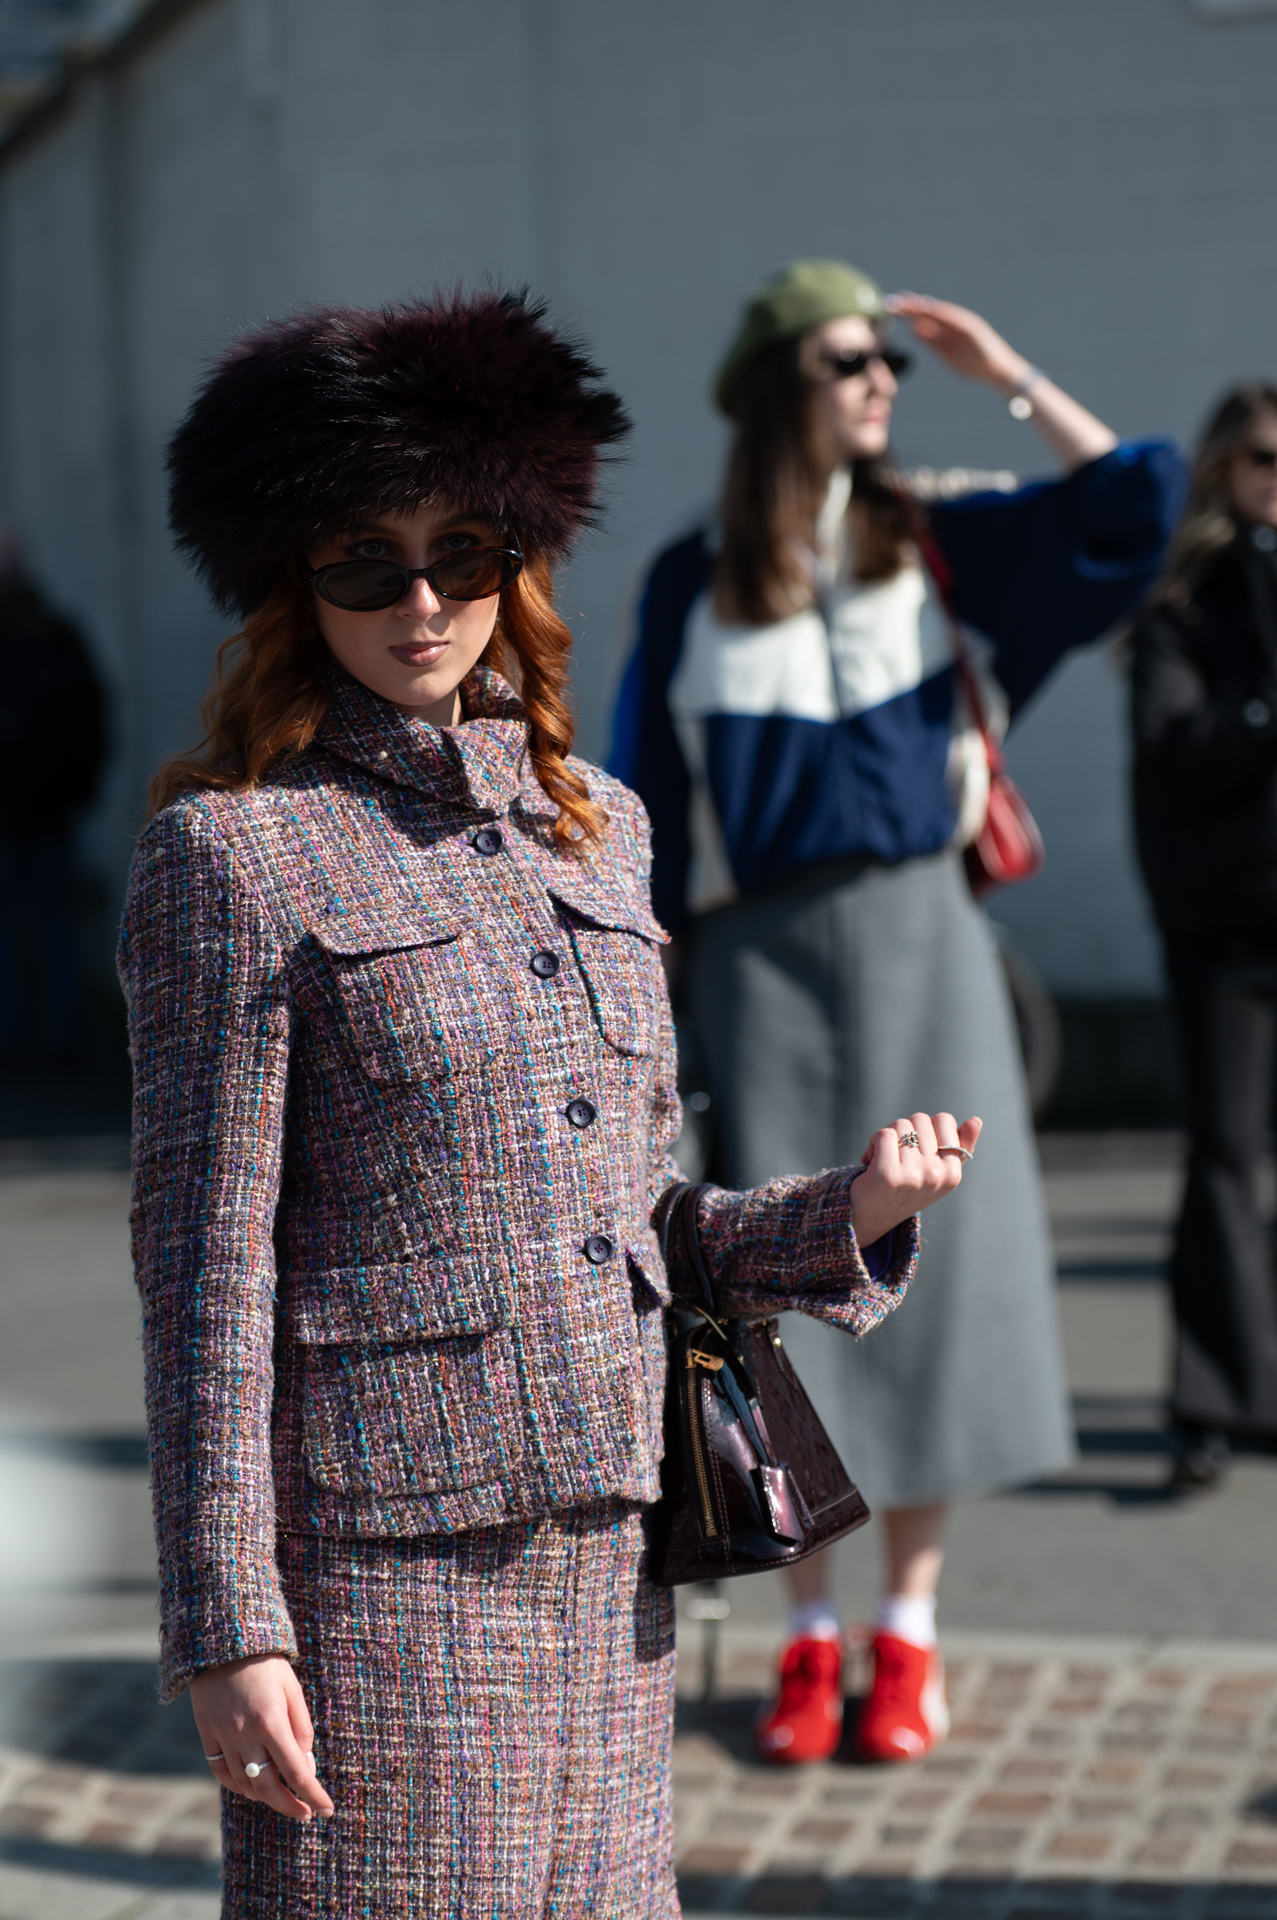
(254, 1767)
(964, 1153)
(909, 1139)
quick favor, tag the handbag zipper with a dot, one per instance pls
(708, 1361)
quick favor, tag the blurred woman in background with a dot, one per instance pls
(1204, 664)
(791, 719)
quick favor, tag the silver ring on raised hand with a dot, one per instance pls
(909, 1139)
(255, 1767)
(964, 1153)
(214, 1756)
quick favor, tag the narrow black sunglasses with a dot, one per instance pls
(845, 366)
(369, 586)
(1262, 456)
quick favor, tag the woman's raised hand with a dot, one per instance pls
(909, 1166)
(253, 1713)
(962, 340)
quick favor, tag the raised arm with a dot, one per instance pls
(970, 347)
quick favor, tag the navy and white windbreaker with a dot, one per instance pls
(761, 751)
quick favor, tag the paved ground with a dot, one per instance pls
(1112, 1651)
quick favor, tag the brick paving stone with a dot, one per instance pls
(1080, 1846)
(1122, 1785)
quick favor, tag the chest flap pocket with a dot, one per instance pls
(617, 945)
(405, 989)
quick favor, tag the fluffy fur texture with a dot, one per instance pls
(312, 421)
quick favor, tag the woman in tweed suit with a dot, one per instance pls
(404, 1101)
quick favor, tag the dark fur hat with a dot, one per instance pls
(312, 421)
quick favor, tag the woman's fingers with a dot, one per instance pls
(284, 1778)
(252, 1713)
(969, 1132)
(883, 1150)
(922, 1127)
(962, 338)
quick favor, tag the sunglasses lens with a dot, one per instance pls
(846, 366)
(364, 586)
(476, 575)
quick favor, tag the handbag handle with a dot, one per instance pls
(677, 1214)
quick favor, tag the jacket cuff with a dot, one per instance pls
(789, 1247)
(212, 1623)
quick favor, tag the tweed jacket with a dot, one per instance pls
(404, 1099)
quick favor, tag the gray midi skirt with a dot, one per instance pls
(835, 1005)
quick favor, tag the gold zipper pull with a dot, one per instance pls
(707, 1360)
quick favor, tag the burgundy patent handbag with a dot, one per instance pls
(750, 1480)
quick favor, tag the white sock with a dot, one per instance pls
(909, 1616)
(815, 1621)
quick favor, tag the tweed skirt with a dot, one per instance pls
(838, 1004)
(493, 1720)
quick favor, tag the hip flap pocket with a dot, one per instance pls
(409, 1383)
(405, 991)
(425, 1417)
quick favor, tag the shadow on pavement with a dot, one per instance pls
(98, 1779)
(974, 1898)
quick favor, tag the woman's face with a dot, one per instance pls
(850, 417)
(1252, 471)
(417, 652)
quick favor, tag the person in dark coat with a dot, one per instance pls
(1204, 712)
(52, 748)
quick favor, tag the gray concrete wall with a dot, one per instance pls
(1098, 178)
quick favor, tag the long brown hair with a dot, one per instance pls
(773, 491)
(1208, 522)
(270, 693)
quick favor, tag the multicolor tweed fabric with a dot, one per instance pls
(493, 1717)
(404, 1099)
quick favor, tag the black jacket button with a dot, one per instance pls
(598, 1249)
(488, 840)
(581, 1113)
(545, 964)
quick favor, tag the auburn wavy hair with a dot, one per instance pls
(270, 692)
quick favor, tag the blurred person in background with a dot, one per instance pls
(52, 748)
(791, 720)
(1203, 657)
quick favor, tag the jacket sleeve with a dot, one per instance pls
(789, 1247)
(1058, 563)
(209, 1020)
(1212, 743)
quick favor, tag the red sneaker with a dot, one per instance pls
(906, 1713)
(805, 1720)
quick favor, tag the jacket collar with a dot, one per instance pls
(478, 765)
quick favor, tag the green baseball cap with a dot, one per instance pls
(804, 294)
